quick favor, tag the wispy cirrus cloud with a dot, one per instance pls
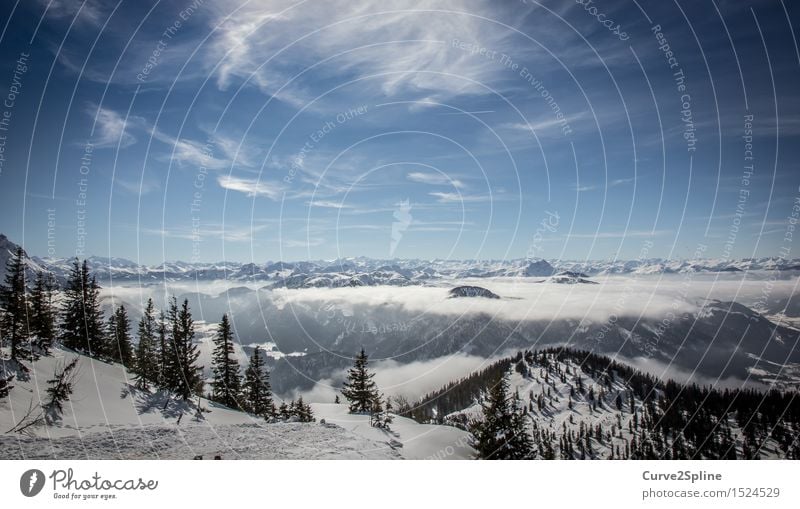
(611, 183)
(409, 50)
(458, 197)
(110, 128)
(227, 233)
(294, 243)
(251, 187)
(435, 179)
(328, 204)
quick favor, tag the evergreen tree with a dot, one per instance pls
(60, 388)
(302, 411)
(379, 416)
(257, 391)
(5, 384)
(146, 363)
(181, 370)
(164, 352)
(226, 384)
(502, 433)
(43, 313)
(119, 346)
(95, 332)
(82, 319)
(14, 302)
(376, 414)
(359, 389)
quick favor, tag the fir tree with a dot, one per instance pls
(72, 330)
(379, 416)
(376, 414)
(302, 411)
(257, 391)
(43, 313)
(5, 384)
(60, 387)
(14, 302)
(119, 347)
(146, 364)
(359, 389)
(226, 383)
(82, 319)
(502, 433)
(183, 374)
(165, 352)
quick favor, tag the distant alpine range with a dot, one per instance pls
(362, 271)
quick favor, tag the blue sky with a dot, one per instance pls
(263, 130)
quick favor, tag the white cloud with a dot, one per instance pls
(326, 204)
(611, 183)
(435, 179)
(303, 242)
(81, 11)
(251, 187)
(548, 121)
(227, 233)
(110, 128)
(145, 186)
(458, 197)
(402, 45)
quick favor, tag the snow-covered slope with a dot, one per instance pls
(587, 414)
(107, 417)
(409, 438)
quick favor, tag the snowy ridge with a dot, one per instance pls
(108, 418)
(361, 271)
(576, 410)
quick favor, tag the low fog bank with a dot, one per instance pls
(411, 381)
(423, 339)
(523, 299)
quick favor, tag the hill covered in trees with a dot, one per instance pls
(579, 405)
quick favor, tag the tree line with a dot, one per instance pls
(654, 419)
(165, 357)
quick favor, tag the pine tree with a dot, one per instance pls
(359, 389)
(376, 414)
(257, 391)
(302, 411)
(82, 319)
(502, 433)
(379, 415)
(182, 373)
(72, 328)
(226, 383)
(5, 384)
(43, 313)
(14, 302)
(60, 387)
(146, 363)
(165, 353)
(118, 346)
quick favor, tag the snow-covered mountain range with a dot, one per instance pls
(361, 271)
